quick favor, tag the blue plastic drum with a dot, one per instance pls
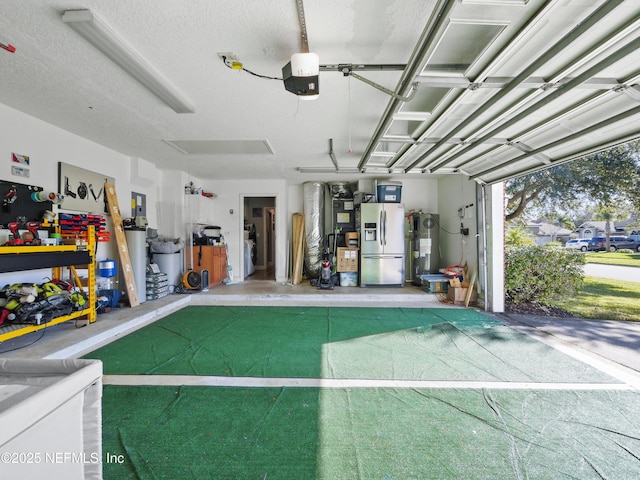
(107, 268)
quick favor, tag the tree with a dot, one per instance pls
(608, 213)
(609, 177)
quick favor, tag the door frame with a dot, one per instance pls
(276, 206)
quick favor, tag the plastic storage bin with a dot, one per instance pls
(434, 283)
(348, 279)
(389, 192)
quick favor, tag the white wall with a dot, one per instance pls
(417, 194)
(46, 145)
(420, 194)
(457, 192)
(228, 213)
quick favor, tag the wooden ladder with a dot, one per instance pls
(121, 240)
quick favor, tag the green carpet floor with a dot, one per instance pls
(366, 434)
(317, 342)
(359, 433)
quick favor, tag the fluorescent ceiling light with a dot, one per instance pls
(412, 116)
(383, 154)
(100, 35)
(328, 170)
(221, 147)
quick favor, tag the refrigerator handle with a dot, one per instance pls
(380, 228)
(385, 227)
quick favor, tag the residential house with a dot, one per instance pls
(597, 229)
(543, 233)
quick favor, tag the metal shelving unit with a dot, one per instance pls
(55, 257)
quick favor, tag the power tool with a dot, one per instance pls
(15, 232)
(33, 229)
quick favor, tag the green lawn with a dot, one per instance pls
(615, 258)
(606, 299)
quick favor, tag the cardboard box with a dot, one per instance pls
(347, 259)
(458, 295)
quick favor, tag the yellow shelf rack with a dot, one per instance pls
(18, 258)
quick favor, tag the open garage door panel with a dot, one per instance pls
(509, 87)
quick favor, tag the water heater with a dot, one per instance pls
(425, 247)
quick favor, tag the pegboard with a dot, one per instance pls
(19, 205)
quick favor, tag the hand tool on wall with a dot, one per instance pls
(67, 189)
(10, 197)
(95, 195)
(82, 190)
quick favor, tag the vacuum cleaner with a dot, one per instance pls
(325, 281)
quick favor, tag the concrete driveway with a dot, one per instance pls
(609, 345)
(614, 272)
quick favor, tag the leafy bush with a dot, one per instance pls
(625, 250)
(542, 274)
(518, 236)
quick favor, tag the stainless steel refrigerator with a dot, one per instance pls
(382, 244)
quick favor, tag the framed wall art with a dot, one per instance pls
(83, 189)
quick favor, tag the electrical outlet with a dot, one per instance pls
(228, 56)
(231, 60)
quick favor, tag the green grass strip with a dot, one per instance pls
(615, 258)
(605, 299)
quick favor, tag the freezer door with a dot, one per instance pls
(382, 270)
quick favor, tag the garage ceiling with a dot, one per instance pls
(497, 87)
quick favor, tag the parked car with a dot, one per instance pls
(581, 244)
(615, 243)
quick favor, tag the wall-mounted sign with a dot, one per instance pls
(17, 158)
(83, 190)
(19, 171)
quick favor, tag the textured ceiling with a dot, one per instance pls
(473, 50)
